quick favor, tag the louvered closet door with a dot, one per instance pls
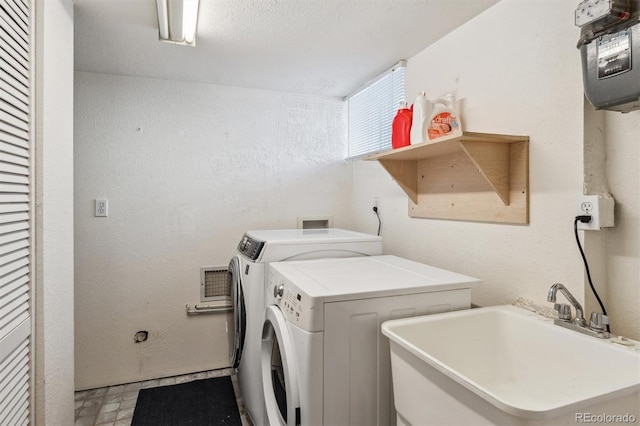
(15, 320)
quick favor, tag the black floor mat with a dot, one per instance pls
(198, 403)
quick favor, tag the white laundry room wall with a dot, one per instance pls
(186, 169)
(622, 248)
(517, 70)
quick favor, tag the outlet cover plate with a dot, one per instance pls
(600, 208)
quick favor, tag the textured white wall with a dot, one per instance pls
(187, 168)
(623, 241)
(53, 260)
(517, 71)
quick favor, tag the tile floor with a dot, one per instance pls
(114, 405)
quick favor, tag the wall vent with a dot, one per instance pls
(315, 222)
(215, 283)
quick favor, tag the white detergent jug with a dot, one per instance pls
(422, 110)
(444, 119)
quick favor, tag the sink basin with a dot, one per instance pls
(506, 365)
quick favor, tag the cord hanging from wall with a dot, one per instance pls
(587, 219)
(375, 210)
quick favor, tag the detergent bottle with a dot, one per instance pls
(422, 109)
(401, 128)
(444, 119)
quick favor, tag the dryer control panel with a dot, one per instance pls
(250, 248)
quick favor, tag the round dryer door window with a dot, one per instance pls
(236, 336)
(279, 374)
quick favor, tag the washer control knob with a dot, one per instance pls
(278, 291)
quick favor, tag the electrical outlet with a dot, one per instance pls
(600, 208)
(102, 207)
(586, 207)
(376, 203)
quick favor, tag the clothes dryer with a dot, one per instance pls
(247, 274)
(324, 358)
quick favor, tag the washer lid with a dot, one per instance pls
(372, 276)
(305, 236)
(277, 245)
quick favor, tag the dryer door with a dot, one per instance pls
(236, 336)
(279, 371)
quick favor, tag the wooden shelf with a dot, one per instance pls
(465, 176)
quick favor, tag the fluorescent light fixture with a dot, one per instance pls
(190, 20)
(177, 21)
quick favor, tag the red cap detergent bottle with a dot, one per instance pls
(401, 128)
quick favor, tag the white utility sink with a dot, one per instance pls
(506, 365)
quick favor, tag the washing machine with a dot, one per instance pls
(247, 276)
(324, 358)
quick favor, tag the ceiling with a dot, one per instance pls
(319, 47)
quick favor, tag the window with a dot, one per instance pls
(371, 111)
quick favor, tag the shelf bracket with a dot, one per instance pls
(492, 160)
(405, 173)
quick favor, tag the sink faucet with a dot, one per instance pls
(597, 324)
(551, 297)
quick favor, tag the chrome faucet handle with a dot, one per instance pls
(564, 311)
(598, 321)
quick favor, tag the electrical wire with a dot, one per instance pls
(586, 265)
(375, 210)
